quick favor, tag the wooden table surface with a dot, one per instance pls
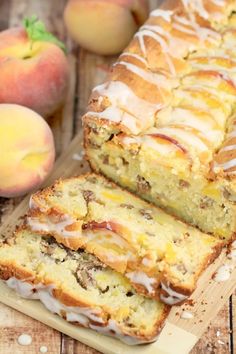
(87, 70)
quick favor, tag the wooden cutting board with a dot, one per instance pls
(178, 333)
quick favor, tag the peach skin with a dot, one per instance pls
(33, 72)
(27, 150)
(104, 26)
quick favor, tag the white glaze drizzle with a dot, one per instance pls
(44, 294)
(140, 278)
(225, 165)
(55, 227)
(184, 21)
(232, 254)
(77, 317)
(147, 30)
(32, 204)
(24, 339)
(187, 315)
(78, 156)
(158, 80)
(232, 134)
(136, 56)
(157, 29)
(112, 329)
(183, 29)
(220, 342)
(228, 148)
(154, 31)
(165, 14)
(25, 289)
(150, 33)
(73, 314)
(173, 296)
(202, 33)
(129, 140)
(218, 2)
(43, 349)
(123, 99)
(114, 114)
(146, 262)
(223, 273)
(196, 5)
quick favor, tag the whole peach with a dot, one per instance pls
(27, 150)
(34, 75)
(104, 26)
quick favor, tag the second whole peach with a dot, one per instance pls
(104, 26)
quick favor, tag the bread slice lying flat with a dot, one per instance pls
(161, 256)
(78, 287)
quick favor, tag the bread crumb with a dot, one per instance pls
(186, 315)
(78, 156)
(220, 342)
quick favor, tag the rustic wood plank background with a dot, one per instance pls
(87, 70)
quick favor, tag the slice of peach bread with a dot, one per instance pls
(78, 287)
(162, 256)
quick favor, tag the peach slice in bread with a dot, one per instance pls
(203, 99)
(225, 158)
(162, 148)
(148, 246)
(212, 79)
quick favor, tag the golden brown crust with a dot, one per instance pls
(8, 270)
(215, 253)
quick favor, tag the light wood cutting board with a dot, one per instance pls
(178, 335)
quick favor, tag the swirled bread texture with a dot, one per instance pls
(79, 288)
(160, 255)
(164, 122)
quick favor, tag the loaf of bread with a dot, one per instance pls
(164, 123)
(160, 255)
(79, 288)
